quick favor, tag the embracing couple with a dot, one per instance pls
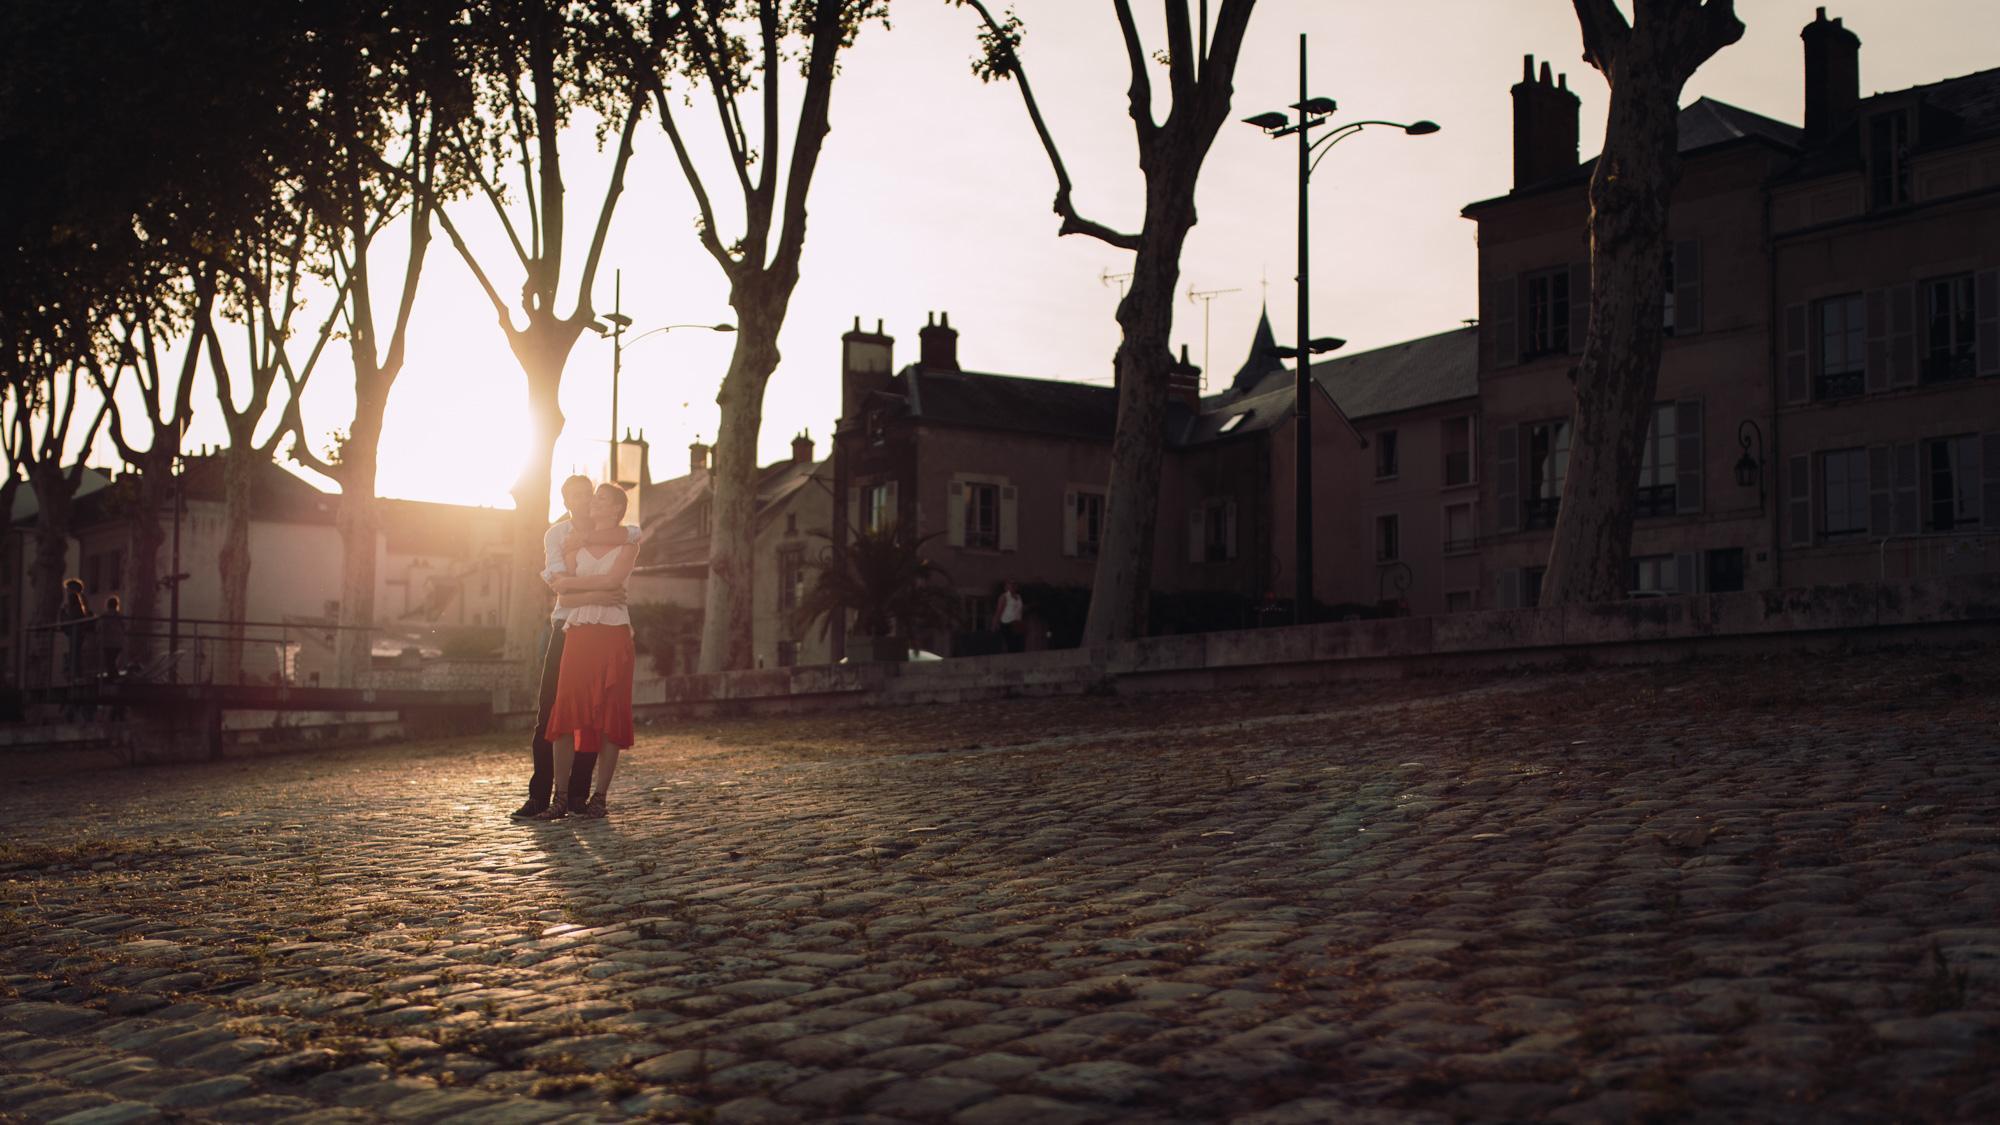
(584, 716)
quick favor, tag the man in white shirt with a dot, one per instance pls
(576, 493)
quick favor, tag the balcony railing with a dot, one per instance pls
(1837, 384)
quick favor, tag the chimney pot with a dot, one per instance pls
(1545, 126)
(1833, 78)
(937, 344)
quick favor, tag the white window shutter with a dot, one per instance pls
(1009, 522)
(1875, 375)
(955, 513)
(1798, 356)
(895, 510)
(1687, 456)
(1229, 526)
(1196, 546)
(1687, 572)
(1903, 336)
(1986, 314)
(1798, 500)
(1907, 522)
(1069, 518)
(1881, 493)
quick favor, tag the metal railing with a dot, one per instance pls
(191, 651)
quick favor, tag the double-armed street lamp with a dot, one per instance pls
(1312, 113)
(617, 324)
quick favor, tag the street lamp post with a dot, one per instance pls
(1313, 113)
(618, 323)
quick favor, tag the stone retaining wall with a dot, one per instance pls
(1966, 607)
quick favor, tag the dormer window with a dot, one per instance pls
(1889, 159)
(1235, 420)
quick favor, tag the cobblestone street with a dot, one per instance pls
(1741, 889)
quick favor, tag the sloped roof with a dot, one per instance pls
(276, 495)
(1970, 104)
(1013, 402)
(672, 537)
(1707, 122)
(1703, 124)
(418, 527)
(1405, 376)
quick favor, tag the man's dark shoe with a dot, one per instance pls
(529, 811)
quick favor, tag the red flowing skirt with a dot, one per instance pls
(594, 688)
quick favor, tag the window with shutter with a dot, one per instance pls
(1881, 493)
(1952, 472)
(1546, 312)
(1950, 333)
(1507, 589)
(1659, 471)
(1798, 500)
(1069, 534)
(982, 515)
(1197, 534)
(1457, 443)
(1903, 336)
(955, 513)
(1844, 495)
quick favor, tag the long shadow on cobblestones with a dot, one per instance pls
(1742, 889)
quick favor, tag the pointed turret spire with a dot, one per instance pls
(1260, 362)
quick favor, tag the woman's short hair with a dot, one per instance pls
(607, 489)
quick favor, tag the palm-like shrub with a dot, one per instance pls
(887, 583)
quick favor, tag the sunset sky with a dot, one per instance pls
(933, 194)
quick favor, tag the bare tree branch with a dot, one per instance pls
(1605, 32)
(1140, 94)
(710, 241)
(1180, 51)
(1072, 223)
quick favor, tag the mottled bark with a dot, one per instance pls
(543, 349)
(726, 620)
(239, 469)
(1646, 64)
(146, 527)
(358, 536)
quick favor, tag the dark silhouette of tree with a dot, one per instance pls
(536, 65)
(119, 201)
(381, 90)
(1171, 153)
(1646, 62)
(885, 580)
(736, 51)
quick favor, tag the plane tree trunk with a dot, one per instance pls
(1646, 63)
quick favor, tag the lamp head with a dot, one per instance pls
(1326, 344)
(1268, 120)
(723, 328)
(1318, 107)
(1421, 128)
(619, 319)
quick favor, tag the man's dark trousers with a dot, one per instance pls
(545, 752)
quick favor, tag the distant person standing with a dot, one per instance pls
(556, 545)
(111, 634)
(1007, 614)
(73, 616)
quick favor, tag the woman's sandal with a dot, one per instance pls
(595, 809)
(557, 810)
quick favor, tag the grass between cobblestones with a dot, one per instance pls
(1756, 889)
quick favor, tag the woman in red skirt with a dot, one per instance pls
(592, 713)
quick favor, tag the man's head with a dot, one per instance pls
(576, 493)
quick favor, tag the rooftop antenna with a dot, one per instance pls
(1206, 297)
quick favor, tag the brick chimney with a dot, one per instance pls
(937, 344)
(1184, 382)
(1545, 141)
(802, 448)
(698, 454)
(865, 364)
(1833, 78)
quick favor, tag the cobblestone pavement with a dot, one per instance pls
(1737, 890)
